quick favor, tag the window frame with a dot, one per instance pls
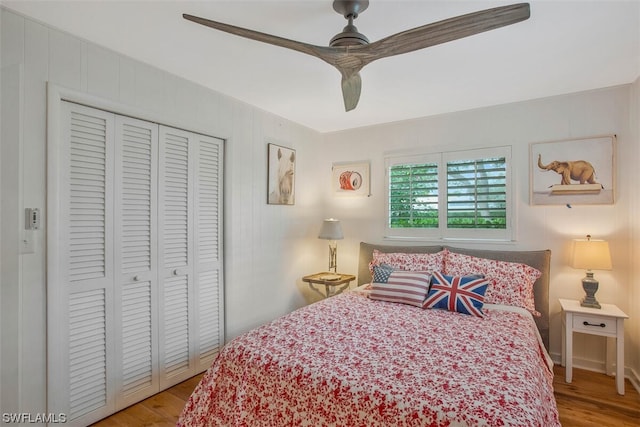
(442, 232)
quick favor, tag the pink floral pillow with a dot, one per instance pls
(511, 282)
(408, 261)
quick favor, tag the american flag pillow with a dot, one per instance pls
(382, 272)
(406, 287)
(464, 294)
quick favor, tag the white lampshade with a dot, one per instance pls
(331, 230)
(589, 254)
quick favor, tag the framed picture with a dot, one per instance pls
(573, 171)
(281, 189)
(350, 179)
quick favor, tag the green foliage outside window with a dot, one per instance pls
(413, 196)
(477, 193)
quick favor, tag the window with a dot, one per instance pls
(413, 196)
(458, 194)
(477, 193)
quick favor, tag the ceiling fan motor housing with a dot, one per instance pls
(349, 37)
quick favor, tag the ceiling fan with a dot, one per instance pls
(350, 50)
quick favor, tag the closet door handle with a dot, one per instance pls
(136, 278)
(175, 272)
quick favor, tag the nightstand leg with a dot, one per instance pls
(563, 357)
(620, 357)
(568, 339)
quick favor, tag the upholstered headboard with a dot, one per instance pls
(537, 259)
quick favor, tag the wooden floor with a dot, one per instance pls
(162, 409)
(589, 401)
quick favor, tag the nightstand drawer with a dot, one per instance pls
(594, 324)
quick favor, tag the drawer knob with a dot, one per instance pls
(585, 323)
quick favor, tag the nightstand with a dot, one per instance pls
(607, 321)
(334, 283)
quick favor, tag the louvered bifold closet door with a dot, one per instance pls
(80, 266)
(208, 288)
(190, 253)
(134, 259)
(136, 288)
(175, 244)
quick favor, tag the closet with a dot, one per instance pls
(134, 289)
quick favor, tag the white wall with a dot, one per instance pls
(633, 324)
(269, 248)
(266, 250)
(599, 112)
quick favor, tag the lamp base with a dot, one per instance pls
(333, 256)
(590, 286)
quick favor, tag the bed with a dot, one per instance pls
(362, 359)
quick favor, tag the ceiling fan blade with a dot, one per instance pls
(351, 85)
(337, 56)
(445, 31)
(317, 51)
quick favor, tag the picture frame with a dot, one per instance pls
(281, 163)
(573, 171)
(351, 179)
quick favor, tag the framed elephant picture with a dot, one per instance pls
(572, 171)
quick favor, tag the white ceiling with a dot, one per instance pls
(566, 46)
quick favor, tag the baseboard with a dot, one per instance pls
(598, 366)
(633, 378)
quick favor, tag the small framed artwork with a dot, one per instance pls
(281, 175)
(351, 179)
(573, 171)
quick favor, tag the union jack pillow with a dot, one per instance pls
(464, 294)
(406, 287)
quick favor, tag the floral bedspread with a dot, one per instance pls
(352, 361)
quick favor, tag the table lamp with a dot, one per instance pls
(590, 254)
(332, 231)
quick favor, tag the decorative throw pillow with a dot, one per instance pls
(382, 272)
(511, 283)
(464, 294)
(408, 261)
(406, 287)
